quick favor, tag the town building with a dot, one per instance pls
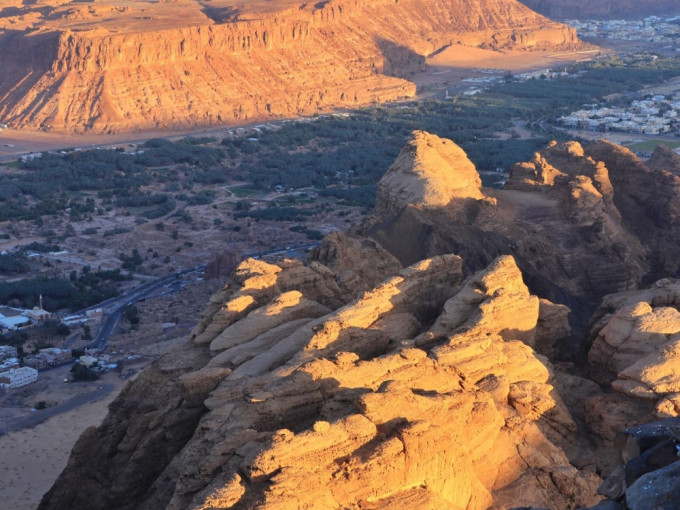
(8, 351)
(50, 357)
(9, 363)
(13, 318)
(38, 314)
(17, 377)
(88, 361)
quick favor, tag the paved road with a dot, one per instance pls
(119, 303)
(41, 416)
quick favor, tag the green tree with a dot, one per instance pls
(131, 314)
(82, 373)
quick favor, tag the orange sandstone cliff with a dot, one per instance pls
(109, 66)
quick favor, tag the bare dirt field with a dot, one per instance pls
(457, 62)
(33, 457)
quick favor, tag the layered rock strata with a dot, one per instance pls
(389, 373)
(107, 68)
(423, 392)
(636, 346)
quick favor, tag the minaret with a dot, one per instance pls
(41, 302)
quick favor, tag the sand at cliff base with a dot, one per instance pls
(32, 458)
(456, 62)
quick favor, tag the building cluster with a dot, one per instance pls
(93, 315)
(653, 116)
(8, 358)
(12, 375)
(653, 29)
(496, 76)
(50, 357)
(16, 318)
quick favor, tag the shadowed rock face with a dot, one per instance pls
(582, 222)
(109, 66)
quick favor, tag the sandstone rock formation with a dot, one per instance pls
(429, 172)
(108, 66)
(602, 9)
(582, 222)
(401, 370)
(423, 392)
(664, 158)
(636, 344)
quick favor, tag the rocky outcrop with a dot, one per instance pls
(422, 392)
(602, 9)
(222, 265)
(106, 68)
(371, 378)
(648, 477)
(581, 221)
(429, 172)
(636, 343)
(664, 158)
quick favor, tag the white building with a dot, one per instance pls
(88, 361)
(18, 377)
(15, 322)
(7, 351)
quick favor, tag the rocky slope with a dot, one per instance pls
(582, 222)
(603, 9)
(388, 372)
(424, 392)
(109, 66)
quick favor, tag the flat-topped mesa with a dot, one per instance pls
(429, 172)
(222, 64)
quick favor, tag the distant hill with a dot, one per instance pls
(603, 9)
(105, 68)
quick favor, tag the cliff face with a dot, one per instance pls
(582, 222)
(238, 63)
(602, 9)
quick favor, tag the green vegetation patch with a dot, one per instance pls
(650, 145)
(243, 191)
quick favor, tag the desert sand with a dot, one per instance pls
(34, 457)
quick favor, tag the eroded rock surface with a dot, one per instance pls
(109, 66)
(636, 344)
(582, 222)
(388, 372)
(422, 392)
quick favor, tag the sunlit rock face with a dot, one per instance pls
(109, 66)
(422, 392)
(636, 346)
(400, 368)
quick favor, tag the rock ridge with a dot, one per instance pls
(371, 405)
(243, 63)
